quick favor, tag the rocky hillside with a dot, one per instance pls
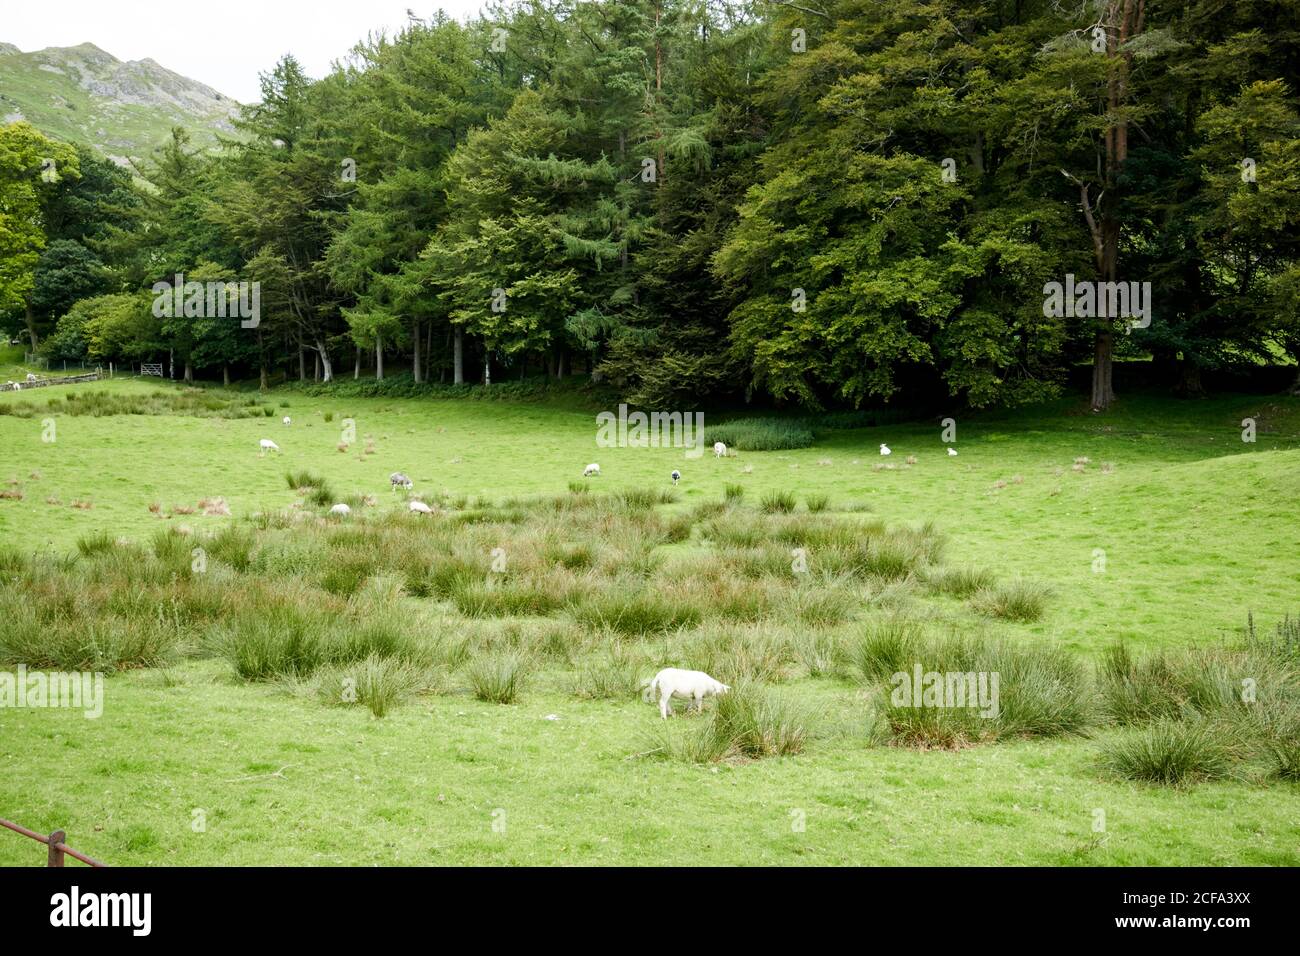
(85, 95)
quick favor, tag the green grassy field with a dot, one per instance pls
(1197, 529)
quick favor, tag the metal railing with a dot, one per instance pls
(57, 848)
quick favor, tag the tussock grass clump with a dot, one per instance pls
(748, 721)
(497, 678)
(817, 503)
(313, 487)
(778, 502)
(737, 654)
(757, 722)
(971, 689)
(733, 494)
(1170, 752)
(622, 611)
(1018, 600)
(820, 652)
(960, 583)
(98, 543)
(380, 683)
(612, 676)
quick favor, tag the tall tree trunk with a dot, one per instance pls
(302, 363)
(1123, 21)
(379, 357)
(562, 361)
(458, 357)
(1190, 384)
(264, 383)
(323, 357)
(316, 369)
(487, 367)
(356, 369)
(189, 370)
(416, 371)
(1103, 386)
(225, 374)
(31, 326)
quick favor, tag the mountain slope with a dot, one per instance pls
(122, 109)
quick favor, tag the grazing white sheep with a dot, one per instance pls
(267, 445)
(884, 450)
(288, 420)
(719, 450)
(952, 452)
(397, 479)
(341, 509)
(419, 507)
(591, 470)
(677, 476)
(31, 377)
(673, 681)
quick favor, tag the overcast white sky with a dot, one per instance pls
(223, 43)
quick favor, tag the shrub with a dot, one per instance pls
(817, 503)
(733, 494)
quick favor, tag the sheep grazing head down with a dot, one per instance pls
(590, 470)
(399, 480)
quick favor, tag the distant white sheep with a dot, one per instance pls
(952, 452)
(719, 450)
(591, 470)
(267, 445)
(31, 377)
(419, 507)
(677, 476)
(399, 480)
(341, 509)
(288, 420)
(884, 450)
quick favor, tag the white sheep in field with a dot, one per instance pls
(341, 509)
(288, 420)
(952, 452)
(267, 445)
(719, 450)
(397, 479)
(31, 377)
(885, 450)
(675, 682)
(420, 508)
(591, 471)
(676, 476)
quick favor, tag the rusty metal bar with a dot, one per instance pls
(57, 848)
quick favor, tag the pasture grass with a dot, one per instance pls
(202, 664)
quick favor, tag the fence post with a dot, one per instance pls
(56, 854)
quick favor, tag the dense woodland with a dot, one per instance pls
(699, 200)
